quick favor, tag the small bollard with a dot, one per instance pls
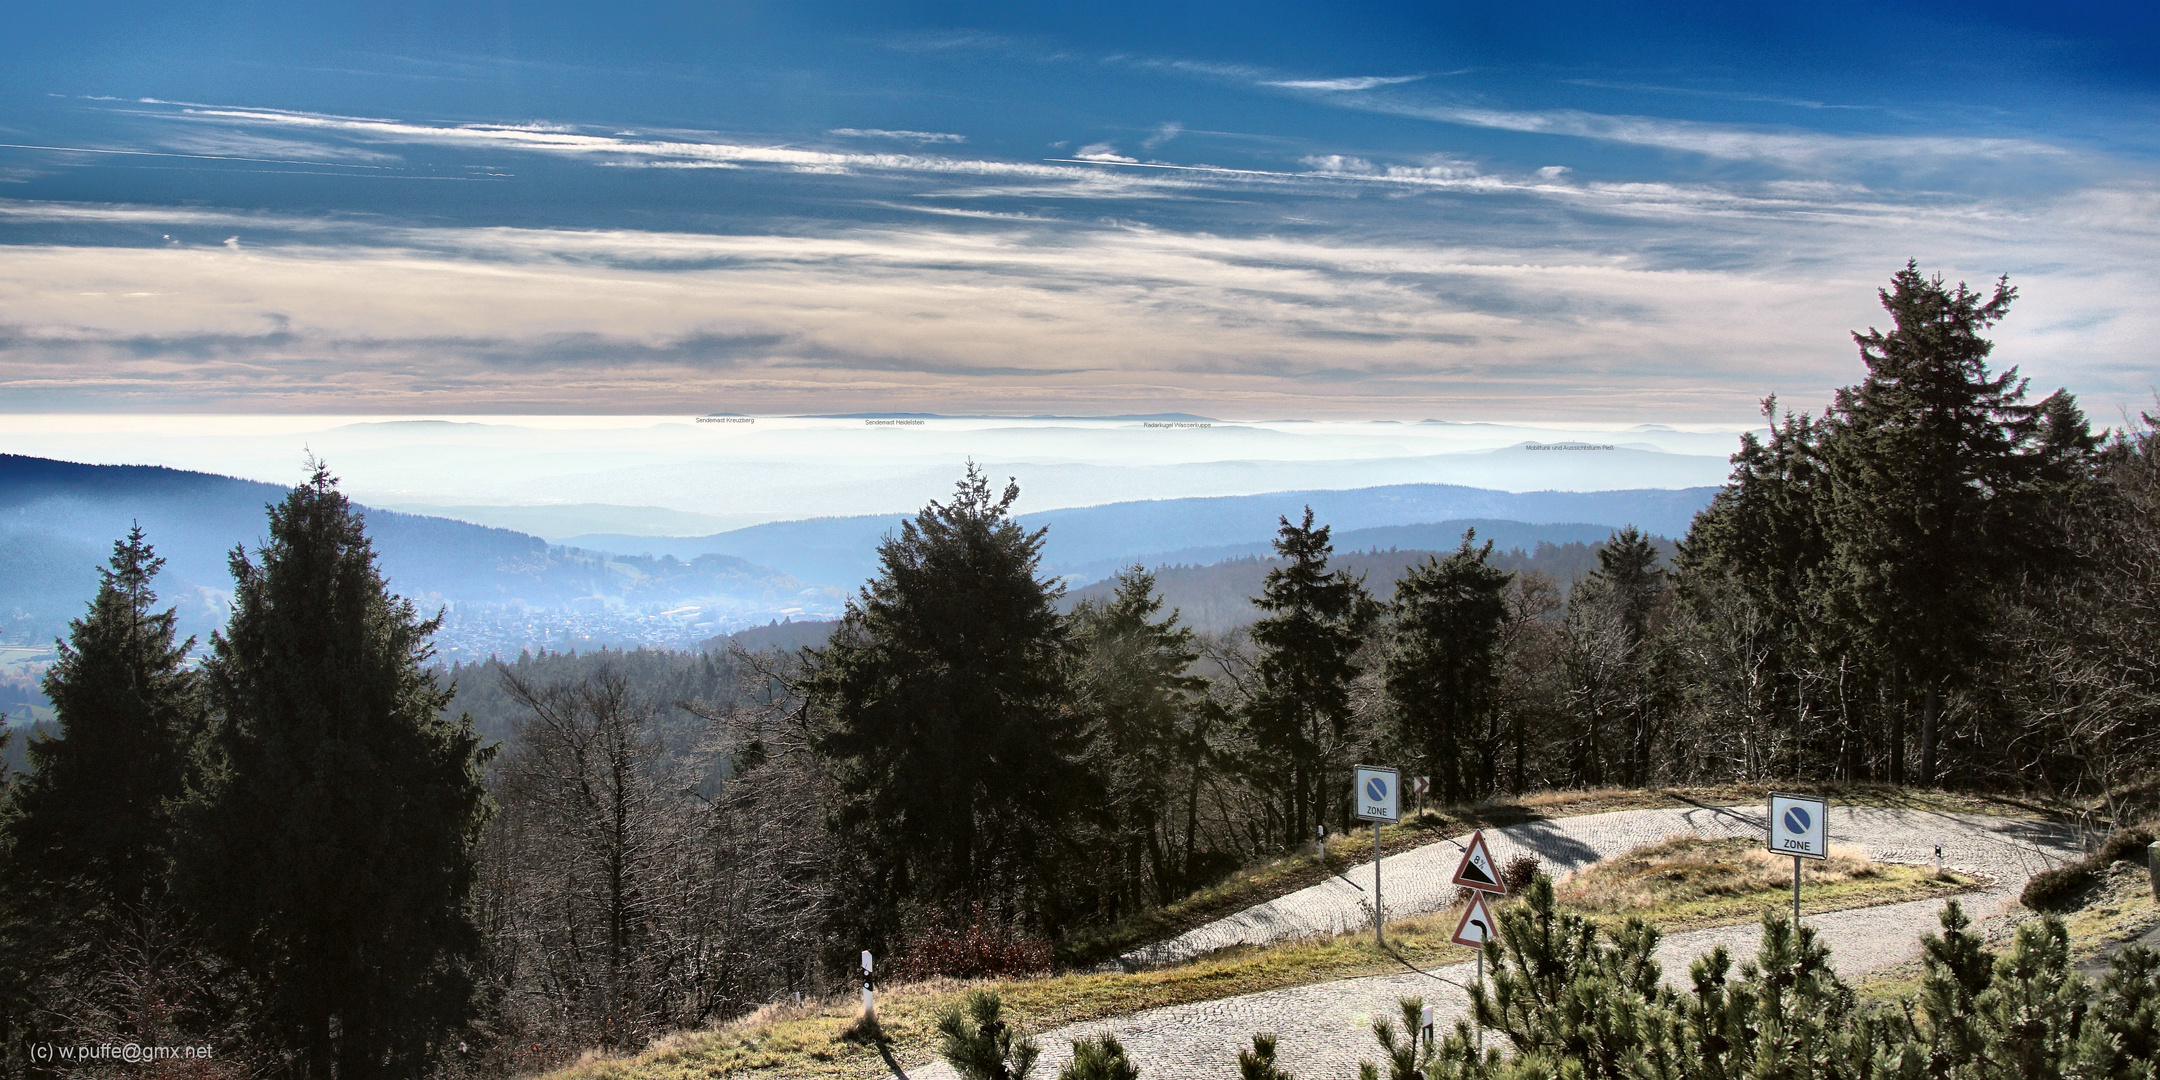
(2152, 866)
(869, 992)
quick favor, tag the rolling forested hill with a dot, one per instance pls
(1218, 596)
(58, 521)
(1091, 542)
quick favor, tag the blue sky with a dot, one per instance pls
(1594, 213)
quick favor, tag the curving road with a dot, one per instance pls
(1325, 1027)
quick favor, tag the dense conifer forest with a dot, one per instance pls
(330, 858)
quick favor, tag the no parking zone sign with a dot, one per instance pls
(1378, 795)
(1797, 827)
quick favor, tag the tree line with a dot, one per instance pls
(1934, 580)
(268, 854)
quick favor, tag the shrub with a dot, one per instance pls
(1514, 877)
(1258, 1063)
(2051, 889)
(979, 1045)
(985, 948)
(1572, 1000)
(1099, 1058)
(1517, 873)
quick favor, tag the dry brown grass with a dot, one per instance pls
(824, 1038)
(1693, 881)
(2115, 909)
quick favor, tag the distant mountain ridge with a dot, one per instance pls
(58, 520)
(1094, 541)
(509, 590)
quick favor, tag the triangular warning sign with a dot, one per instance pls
(1477, 923)
(1476, 870)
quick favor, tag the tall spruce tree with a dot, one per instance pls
(94, 815)
(85, 842)
(1315, 624)
(1443, 666)
(947, 720)
(1133, 681)
(1940, 468)
(1628, 569)
(1882, 537)
(329, 852)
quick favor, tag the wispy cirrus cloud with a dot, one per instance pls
(909, 136)
(1309, 279)
(1802, 150)
(1013, 312)
(1356, 82)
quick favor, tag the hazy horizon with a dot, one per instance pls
(560, 476)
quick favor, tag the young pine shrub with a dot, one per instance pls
(1258, 1063)
(1099, 1058)
(978, 1043)
(1406, 1056)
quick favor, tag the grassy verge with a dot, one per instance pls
(2117, 906)
(1265, 881)
(814, 1040)
(1691, 881)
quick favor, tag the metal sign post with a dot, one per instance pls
(1798, 828)
(1476, 874)
(1475, 929)
(1377, 794)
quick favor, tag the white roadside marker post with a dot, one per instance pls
(869, 993)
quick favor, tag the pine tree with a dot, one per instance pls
(1133, 681)
(85, 837)
(1315, 624)
(1629, 573)
(330, 850)
(95, 812)
(1755, 557)
(1443, 666)
(975, 1039)
(1099, 1058)
(1939, 468)
(947, 718)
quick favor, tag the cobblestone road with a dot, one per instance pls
(1325, 1027)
